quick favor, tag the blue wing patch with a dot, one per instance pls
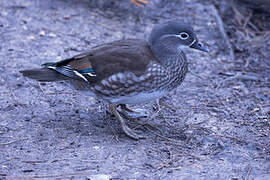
(88, 71)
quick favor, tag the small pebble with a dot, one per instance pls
(67, 17)
(42, 33)
(99, 177)
(52, 35)
(31, 37)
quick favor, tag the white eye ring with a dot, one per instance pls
(184, 35)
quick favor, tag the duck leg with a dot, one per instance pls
(136, 113)
(129, 132)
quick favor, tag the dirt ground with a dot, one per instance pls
(216, 125)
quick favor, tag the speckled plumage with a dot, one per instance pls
(127, 71)
(156, 78)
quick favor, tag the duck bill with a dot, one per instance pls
(197, 45)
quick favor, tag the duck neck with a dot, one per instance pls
(168, 52)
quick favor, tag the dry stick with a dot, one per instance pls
(34, 161)
(158, 111)
(164, 137)
(241, 17)
(239, 76)
(248, 173)
(223, 32)
(54, 176)
(196, 75)
(11, 142)
(247, 20)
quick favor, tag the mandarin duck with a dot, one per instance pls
(130, 71)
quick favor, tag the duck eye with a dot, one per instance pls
(184, 35)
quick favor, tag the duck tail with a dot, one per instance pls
(43, 75)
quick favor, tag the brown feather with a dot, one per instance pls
(126, 55)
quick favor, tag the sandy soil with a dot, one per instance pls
(215, 126)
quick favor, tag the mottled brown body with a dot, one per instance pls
(156, 78)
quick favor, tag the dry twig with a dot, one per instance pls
(223, 32)
(11, 142)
